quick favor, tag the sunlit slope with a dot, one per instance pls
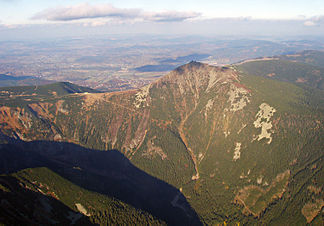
(241, 147)
(287, 71)
(25, 94)
(312, 57)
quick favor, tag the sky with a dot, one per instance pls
(212, 17)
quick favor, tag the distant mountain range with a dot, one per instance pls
(236, 145)
(302, 68)
(170, 64)
(8, 80)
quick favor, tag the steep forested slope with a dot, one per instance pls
(239, 147)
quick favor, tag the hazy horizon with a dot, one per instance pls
(22, 19)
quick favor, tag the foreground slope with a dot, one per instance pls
(241, 148)
(39, 196)
(109, 174)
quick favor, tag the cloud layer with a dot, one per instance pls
(87, 11)
(314, 21)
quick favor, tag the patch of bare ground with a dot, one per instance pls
(60, 107)
(15, 119)
(301, 80)
(314, 189)
(42, 110)
(263, 121)
(238, 97)
(237, 153)
(141, 96)
(89, 99)
(256, 199)
(312, 209)
(271, 74)
(261, 59)
(153, 150)
(81, 209)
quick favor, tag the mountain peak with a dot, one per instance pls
(199, 77)
(192, 65)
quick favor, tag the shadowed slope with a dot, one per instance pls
(20, 205)
(108, 173)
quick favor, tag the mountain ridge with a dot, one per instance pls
(8, 80)
(225, 139)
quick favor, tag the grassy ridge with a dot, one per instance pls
(287, 71)
(312, 57)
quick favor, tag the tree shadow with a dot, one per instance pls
(106, 172)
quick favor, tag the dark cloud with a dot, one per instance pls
(87, 11)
